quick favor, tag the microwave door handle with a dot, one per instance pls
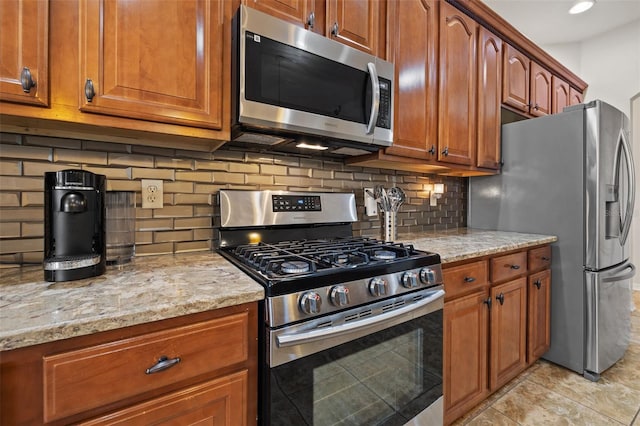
(375, 101)
(631, 199)
(292, 339)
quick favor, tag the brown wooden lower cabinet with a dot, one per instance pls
(195, 369)
(493, 330)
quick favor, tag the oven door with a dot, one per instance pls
(376, 365)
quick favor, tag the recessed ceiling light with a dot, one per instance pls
(580, 6)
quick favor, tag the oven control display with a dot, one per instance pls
(297, 203)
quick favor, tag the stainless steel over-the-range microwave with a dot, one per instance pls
(293, 86)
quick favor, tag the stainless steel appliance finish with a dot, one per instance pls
(571, 175)
(290, 82)
(336, 307)
(263, 208)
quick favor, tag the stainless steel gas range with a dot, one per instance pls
(351, 328)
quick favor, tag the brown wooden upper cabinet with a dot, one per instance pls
(413, 49)
(24, 52)
(529, 88)
(575, 96)
(300, 12)
(559, 95)
(470, 88)
(355, 23)
(457, 97)
(489, 99)
(153, 60)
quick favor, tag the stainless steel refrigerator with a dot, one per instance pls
(571, 175)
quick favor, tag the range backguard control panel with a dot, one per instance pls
(298, 203)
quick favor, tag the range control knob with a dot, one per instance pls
(339, 295)
(428, 276)
(310, 303)
(378, 287)
(410, 280)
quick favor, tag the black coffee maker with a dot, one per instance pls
(74, 225)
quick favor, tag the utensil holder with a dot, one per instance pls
(390, 226)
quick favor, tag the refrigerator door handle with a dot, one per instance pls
(626, 225)
(626, 276)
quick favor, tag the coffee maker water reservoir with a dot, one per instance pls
(74, 225)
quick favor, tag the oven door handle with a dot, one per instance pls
(285, 340)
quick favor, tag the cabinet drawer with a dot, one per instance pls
(216, 402)
(464, 279)
(88, 378)
(508, 266)
(539, 258)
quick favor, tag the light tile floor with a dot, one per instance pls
(547, 394)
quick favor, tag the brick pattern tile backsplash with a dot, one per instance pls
(191, 180)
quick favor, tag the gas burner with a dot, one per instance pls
(295, 267)
(342, 258)
(384, 255)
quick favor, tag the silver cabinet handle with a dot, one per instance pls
(469, 279)
(375, 101)
(163, 363)
(335, 29)
(311, 21)
(89, 91)
(26, 80)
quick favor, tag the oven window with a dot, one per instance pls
(386, 378)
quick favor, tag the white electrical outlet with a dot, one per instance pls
(370, 204)
(152, 194)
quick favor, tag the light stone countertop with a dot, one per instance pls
(465, 243)
(33, 311)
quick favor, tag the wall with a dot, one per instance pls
(190, 181)
(610, 64)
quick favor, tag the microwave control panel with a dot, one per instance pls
(384, 114)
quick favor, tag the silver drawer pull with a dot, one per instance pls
(163, 363)
(514, 266)
(469, 279)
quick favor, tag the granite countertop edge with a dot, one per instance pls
(167, 286)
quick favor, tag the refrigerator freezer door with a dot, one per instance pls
(608, 322)
(609, 181)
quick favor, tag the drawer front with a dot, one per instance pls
(464, 279)
(88, 378)
(539, 258)
(508, 266)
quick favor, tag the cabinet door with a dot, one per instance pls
(560, 95)
(508, 331)
(217, 402)
(575, 97)
(539, 305)
(457, 98)
(299, 12)
(466, 323)
(540, 91)
(157, 61)
(414, 43)
(24, 50)
(489, 98)
(515, 81)
(354, 23)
